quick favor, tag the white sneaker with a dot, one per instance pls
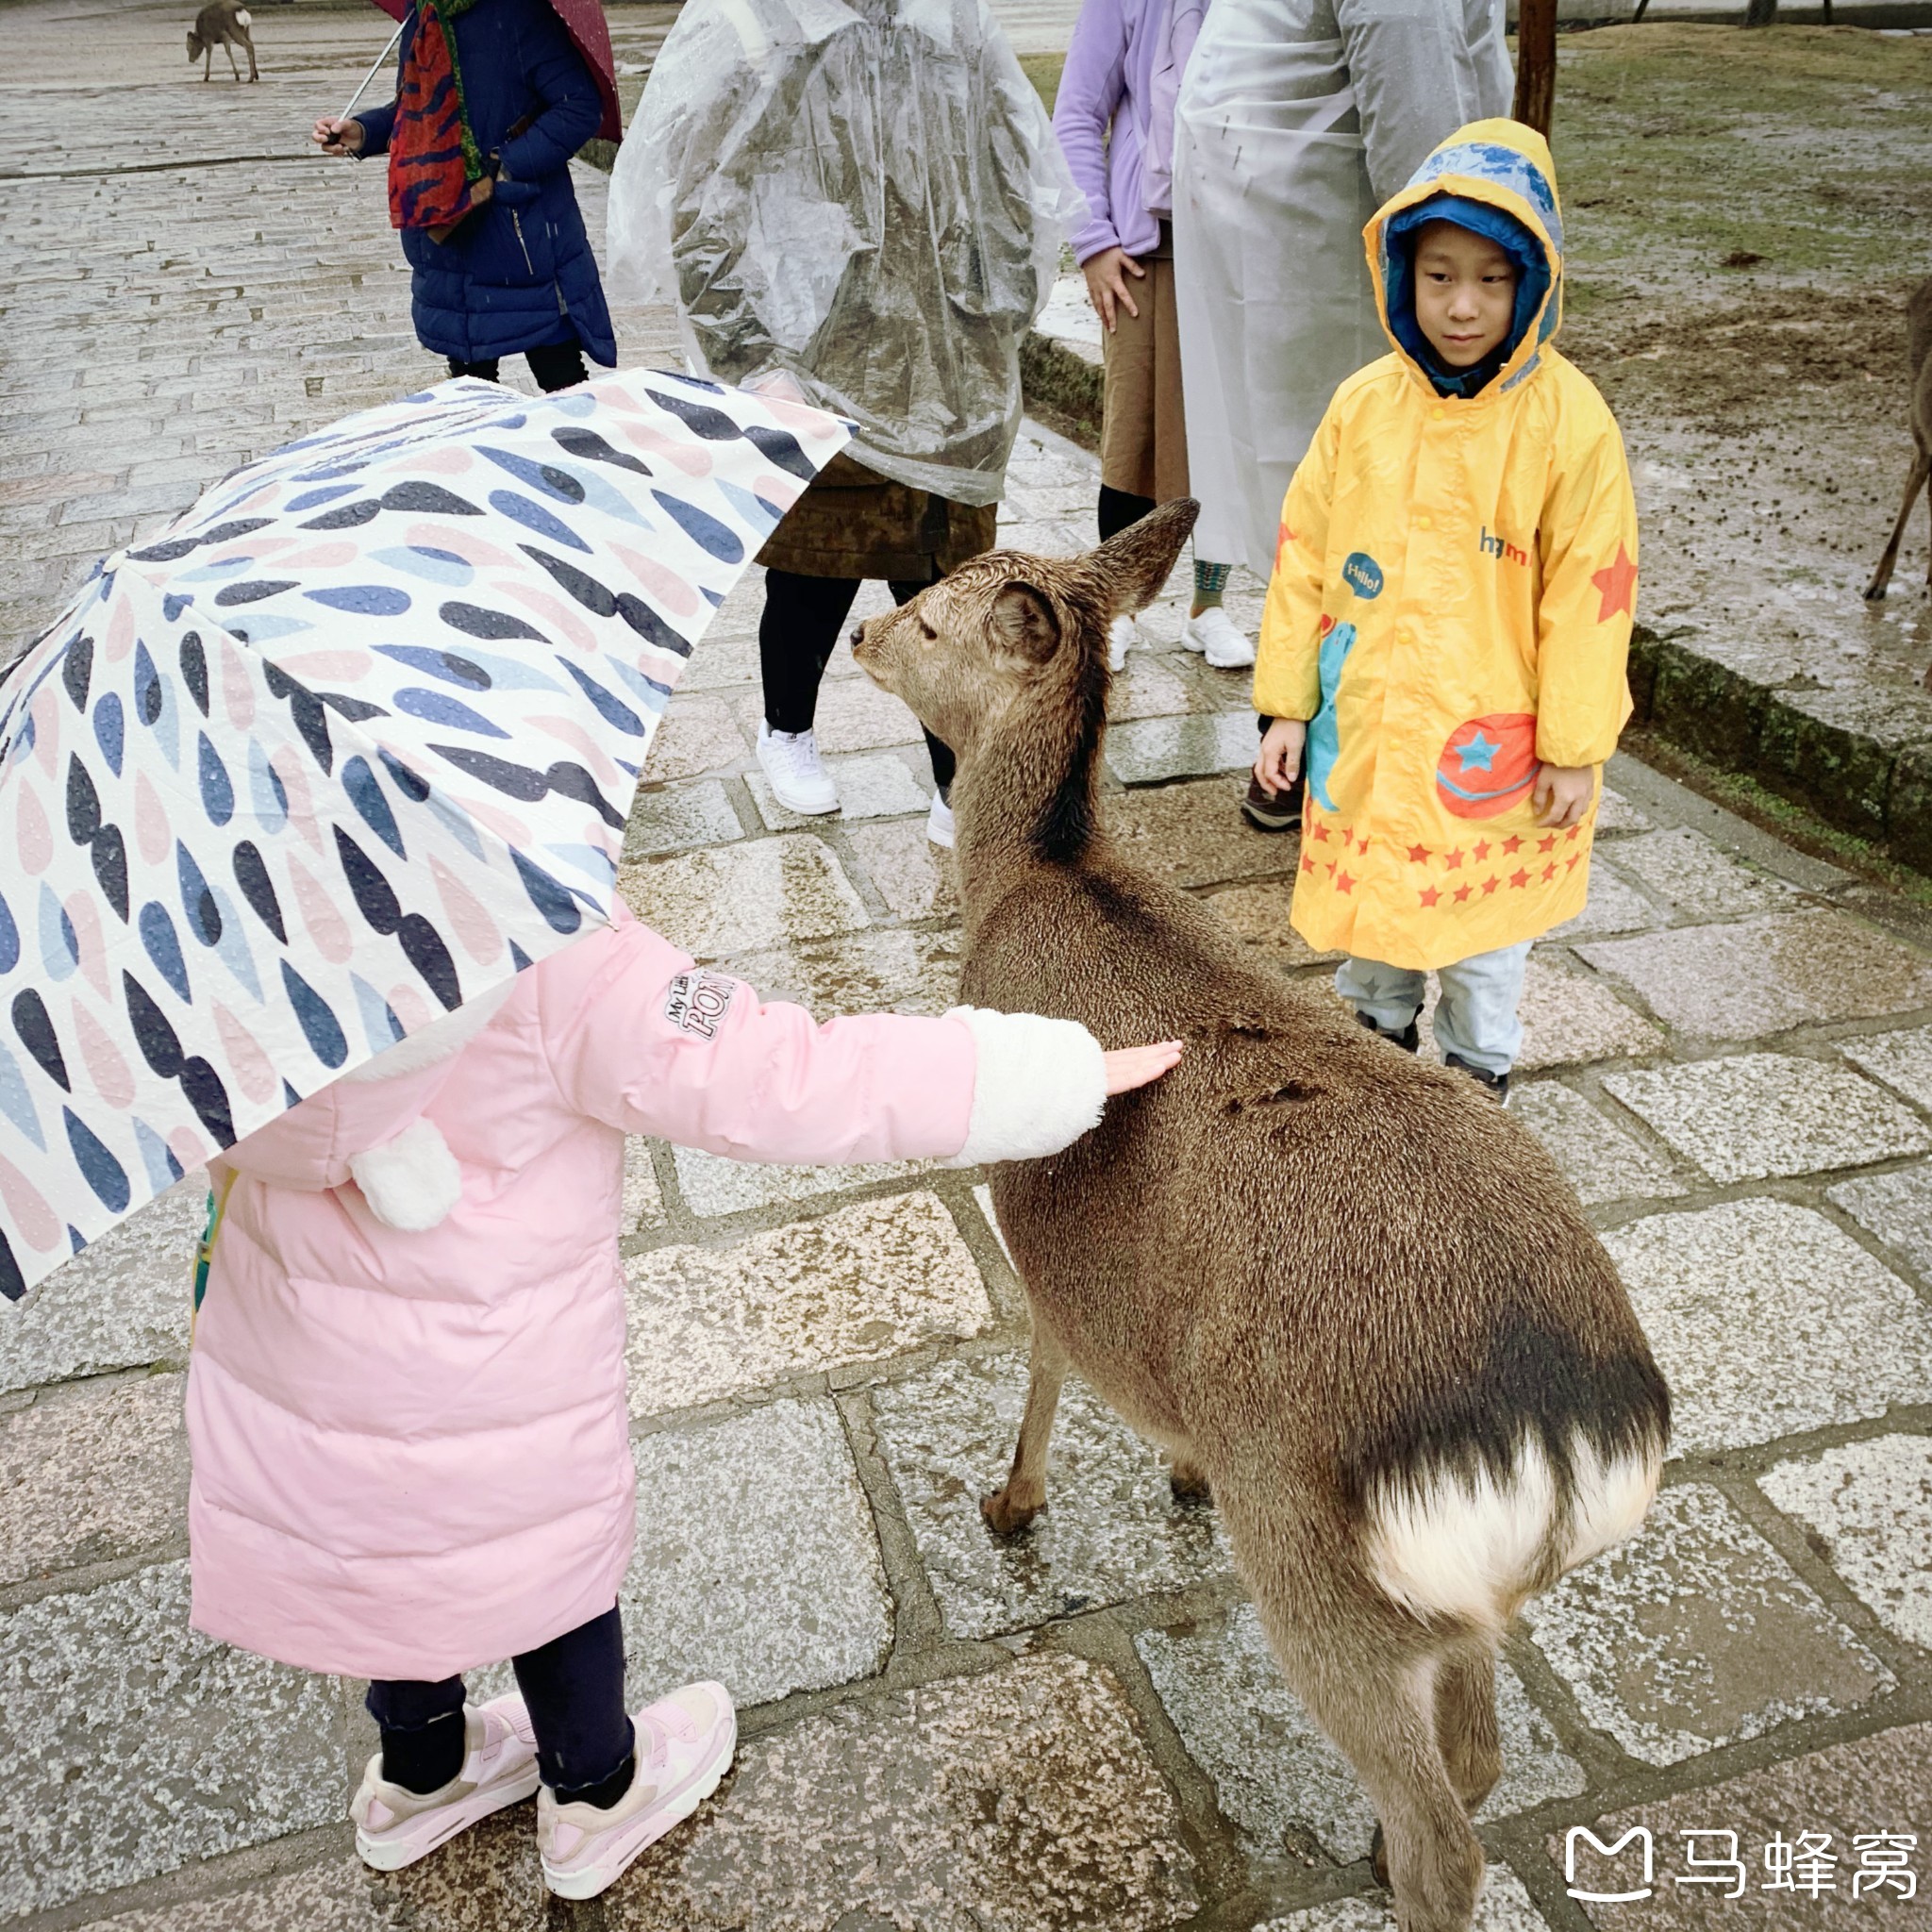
(395, 1827)
(939, 822)
(1214, 635)
(1121, 636)
(684, 1747)
(798, 776)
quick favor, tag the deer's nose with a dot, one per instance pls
(856, 638)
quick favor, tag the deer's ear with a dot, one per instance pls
(1129, 570)
(1022, 622)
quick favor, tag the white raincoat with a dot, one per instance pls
(862, 195)
(1297, 119)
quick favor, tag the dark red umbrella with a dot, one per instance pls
(584, 22)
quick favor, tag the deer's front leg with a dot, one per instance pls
(1010, 1510)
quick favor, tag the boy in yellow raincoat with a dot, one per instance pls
(1449, 619)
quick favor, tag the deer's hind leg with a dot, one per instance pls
(1881, 578)
(1466, 1727)
(1010, 1510)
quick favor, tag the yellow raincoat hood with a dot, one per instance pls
(1450, 609)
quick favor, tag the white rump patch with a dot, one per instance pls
(1470, 1546)
(241, 18)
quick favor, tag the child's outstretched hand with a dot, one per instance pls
(1563, 793)
(1136, 1066)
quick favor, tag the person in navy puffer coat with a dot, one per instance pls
(516, 275)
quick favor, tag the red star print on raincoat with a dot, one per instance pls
(1616, 584)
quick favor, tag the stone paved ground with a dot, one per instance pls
(1731, 1053)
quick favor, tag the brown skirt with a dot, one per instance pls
(1144, 434)
(853, 523)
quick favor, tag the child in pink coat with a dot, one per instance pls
(406, 1405)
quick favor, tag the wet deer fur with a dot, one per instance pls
(1919, 355)
(1352, 1298)
(226, 24)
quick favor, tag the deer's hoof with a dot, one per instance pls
(1006, 1517)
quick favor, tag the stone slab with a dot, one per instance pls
(678, 818)
(1615, 813)
(1871, 1785)
(1872, 1503)
(1833, 1337)
(765, 893)
(1694, 878)
(1696, 1634)
(696, 735)
(1598, 1158)
(1903, 1060)
(853, 714)
(889, 972)
(644, 1200)
(134, 1746)
(1277, 1776)
(1614, 906)
(1897, 1207)
(915, 877)
(1194, 835)
(713, 1184)
(1259, 914)
(1109, 1531)
(1147, 687)
(1504, 1906)
(1763, 974)
(873, 786)
(488, 1880)
(1755, 1115)
(1151, 749)
(101, 1472)
(121, 1302)
(1567, 1020)
(757, 1563)
(1023, 1799)
(862, 1284)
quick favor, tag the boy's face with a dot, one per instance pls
(1465, 292)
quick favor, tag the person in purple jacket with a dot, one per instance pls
(1114, 117)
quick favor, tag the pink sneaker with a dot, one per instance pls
(684, 1747)
(395, 1827)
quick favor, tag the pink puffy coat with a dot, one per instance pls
(412, 1451)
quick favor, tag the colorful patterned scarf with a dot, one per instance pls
(434, 161)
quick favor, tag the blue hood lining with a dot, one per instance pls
(1398, 281)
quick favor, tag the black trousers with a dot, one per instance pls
(574, 1685)
(1120, 509)
(555, 366)
(797, 635)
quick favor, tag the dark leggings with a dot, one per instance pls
(574, 1685)
(1118, 508)
(797, 635)
(556, 366)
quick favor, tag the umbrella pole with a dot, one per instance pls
(381, 61)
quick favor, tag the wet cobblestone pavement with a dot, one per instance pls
(1730, 1053)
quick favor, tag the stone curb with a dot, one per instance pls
(1860, 757)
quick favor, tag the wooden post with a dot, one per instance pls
(1535, 63)
(1763, 12)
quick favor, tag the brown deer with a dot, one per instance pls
(1351, 1297)
(1919, 352)
(226, 24)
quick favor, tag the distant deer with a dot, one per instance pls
(225, 24)
(1919, 352)
(1353, 1299)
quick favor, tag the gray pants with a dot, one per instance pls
(1475, 1019)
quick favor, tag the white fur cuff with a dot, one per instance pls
(410, 1182)
(1040, 1084)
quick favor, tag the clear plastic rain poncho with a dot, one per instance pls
(1297, 119)
(867, 197)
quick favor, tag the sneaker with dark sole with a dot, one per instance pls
(1410, 1040)
(395, 1826)
(1272, 812)
(1495, 1085)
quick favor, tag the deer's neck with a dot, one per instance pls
(1027, 792)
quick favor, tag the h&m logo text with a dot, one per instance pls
(1501, 547)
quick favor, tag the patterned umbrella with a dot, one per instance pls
(352, 742)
